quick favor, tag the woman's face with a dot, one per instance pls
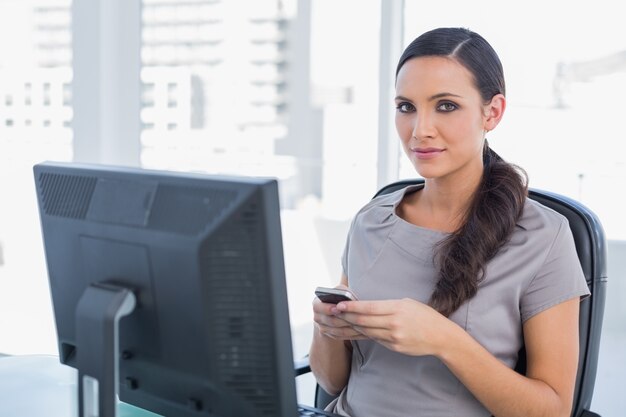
(441, 117)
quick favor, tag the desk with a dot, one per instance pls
(40, 386)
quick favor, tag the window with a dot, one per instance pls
(35, 117)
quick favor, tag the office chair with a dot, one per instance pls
(591, 248)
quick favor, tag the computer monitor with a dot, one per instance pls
(170, 284)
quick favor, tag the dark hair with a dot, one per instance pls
(499, 200)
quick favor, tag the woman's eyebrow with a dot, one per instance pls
(431, 98)
(441, 95)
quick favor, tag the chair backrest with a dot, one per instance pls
(591, 248)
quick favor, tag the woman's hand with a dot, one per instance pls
(330, 324)
(406, 326)
(331, 351)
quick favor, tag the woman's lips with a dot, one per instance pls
(427, 153)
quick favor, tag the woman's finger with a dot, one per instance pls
(366, 320)
(342, 333)
(330, 320)
(378, 307)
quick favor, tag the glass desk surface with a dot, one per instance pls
(40, 386)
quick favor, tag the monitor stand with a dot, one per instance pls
(98, 313)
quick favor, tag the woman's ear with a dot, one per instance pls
(494, 111)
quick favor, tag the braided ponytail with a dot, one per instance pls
(491, 218)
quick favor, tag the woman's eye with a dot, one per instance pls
(405, 107)
(447, 107)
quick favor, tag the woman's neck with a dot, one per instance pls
(445, 201)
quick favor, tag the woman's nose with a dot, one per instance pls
(423, 126)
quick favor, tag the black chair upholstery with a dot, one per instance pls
(591, 248)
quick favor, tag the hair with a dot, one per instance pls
(498, 202)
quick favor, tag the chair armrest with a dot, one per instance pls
(587, 413)
(302, 366)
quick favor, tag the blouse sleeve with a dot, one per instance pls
(559, 279)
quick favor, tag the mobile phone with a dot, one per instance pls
(334, 295)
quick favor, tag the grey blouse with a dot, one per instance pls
(387, 257)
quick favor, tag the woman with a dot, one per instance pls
(453, 278)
